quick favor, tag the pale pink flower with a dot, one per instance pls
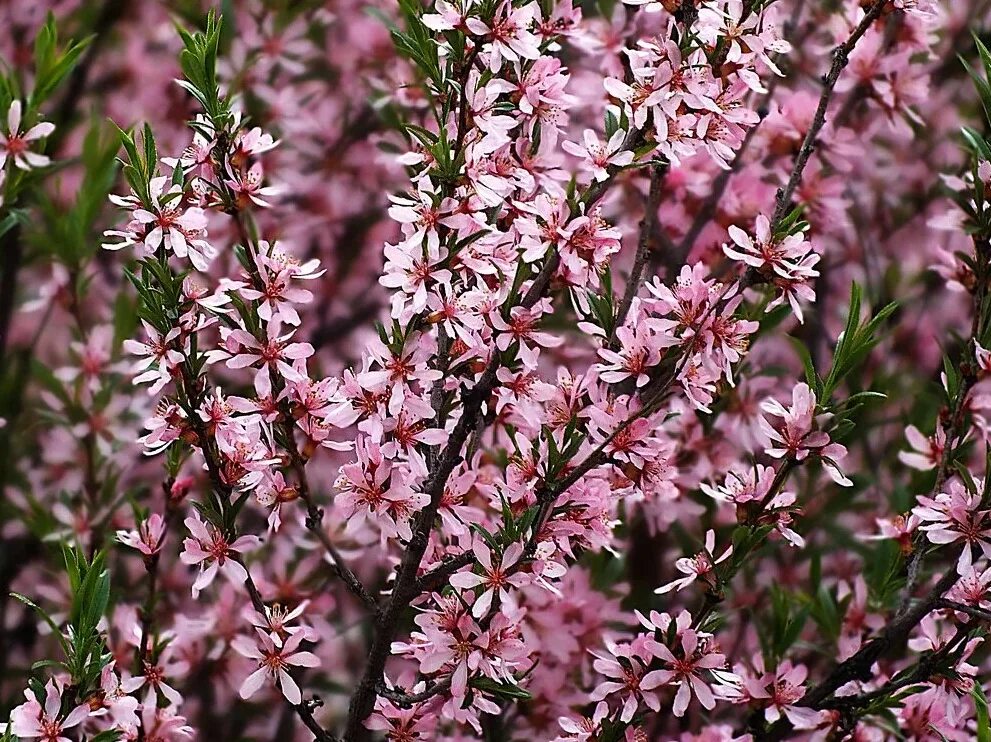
(247, 187)
(596, 157)
(625, 672)
(15, 143)
(400, 724)
(32, 720)
(149, 536)
(274, 351)
(115, 701)
(509, 37)
(701, 566)
(167, 222)
(765, 252)
(927, 451)
(158, 676)
(696, 654)
(276, 293)
(159, 359)
(796, 435)
(275, 657)
(497, 578)
(955, 515)
(210, 549)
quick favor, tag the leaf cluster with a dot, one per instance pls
(83, 644)
(198, 60)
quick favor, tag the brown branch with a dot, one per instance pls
(438, 576)
(314, 514)
(858, 667)
(841, 57)
(304, 710)
(647, 227)
(387, 623)
(193, 392)
(152, 564)
(314, 518)
(407, 700)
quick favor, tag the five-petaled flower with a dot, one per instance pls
(797, 435)
(15, 144)
(32, 720)
(213, 552)
(275, 657)
(498, 578)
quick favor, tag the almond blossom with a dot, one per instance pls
(515, 329)
(212, 551)
(34, 720)
(796, 436)
(275, 657)
(597, 157)
(955, 515)
(496, 578)
(148, 538)
(15, 144)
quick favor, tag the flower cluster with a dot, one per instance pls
(498, 356)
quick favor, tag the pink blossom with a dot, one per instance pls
(927, 450)
(702, 565)
(508, 37)
(210, 549)
(275, 657)
(696, 654)
(273, 351)
(166, 222)
(955, 515)
(796, 435)
(149, 536)
(598, 157)
(32, 720)
(15, 143)
(497, 578)
(625, 672)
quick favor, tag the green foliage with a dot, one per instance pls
(71, 235)
(983, 730)
(781, 626)
(975, 201)
(826, 612)
(198, 60)
(792, 223)
(159, 293)
(14, 218)
(82, 643)
(857, 340)
(417, 44)
(883, 573)
(982, 83)
(508, 691)
(51, 63)
(141, 165)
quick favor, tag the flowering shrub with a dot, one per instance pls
(477, 369)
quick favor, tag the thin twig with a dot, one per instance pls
(841, 57)
(647, 227)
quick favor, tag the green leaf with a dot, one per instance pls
(811, 377)
(502, 690)
(983, 717)
(51, 65)
(56, 630)
(15, 217)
